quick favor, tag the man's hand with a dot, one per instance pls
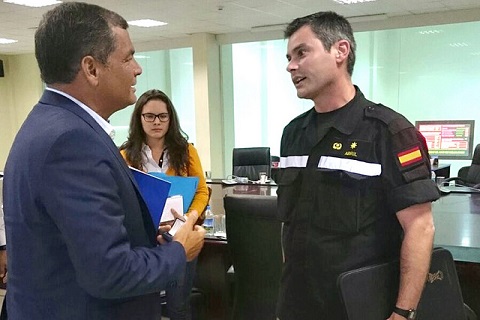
(191, 236)
(167, 225)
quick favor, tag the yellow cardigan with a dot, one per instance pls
(200, 200)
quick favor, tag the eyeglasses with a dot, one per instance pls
(150, 117)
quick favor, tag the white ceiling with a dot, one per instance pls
(186, 17)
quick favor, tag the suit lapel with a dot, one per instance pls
(57, 100)
(60, 101)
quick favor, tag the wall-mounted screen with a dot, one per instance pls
(448, 139)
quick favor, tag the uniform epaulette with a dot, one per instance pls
(394, 121)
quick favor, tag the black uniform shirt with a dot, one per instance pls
(338, 197)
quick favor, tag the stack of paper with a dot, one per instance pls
(173, 202)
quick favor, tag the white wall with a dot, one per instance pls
(20, 90)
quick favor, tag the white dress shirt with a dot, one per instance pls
(102, 122)
(149, 164)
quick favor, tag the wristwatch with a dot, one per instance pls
(410, 314)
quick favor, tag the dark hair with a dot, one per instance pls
(176, 140)
(329, 27)
(70, 32)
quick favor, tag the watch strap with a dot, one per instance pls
(407, 314)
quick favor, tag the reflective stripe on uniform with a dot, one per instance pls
(293, 162)
(350, 165)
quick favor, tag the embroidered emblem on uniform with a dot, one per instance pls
(352, 153)
(409, 156)
(337, 146)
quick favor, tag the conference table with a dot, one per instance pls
(221, 189)
(441, 170)
(457, 228)
(457, 225)
(456, 216)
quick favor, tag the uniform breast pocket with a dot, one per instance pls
(345, 202)
(289, 183)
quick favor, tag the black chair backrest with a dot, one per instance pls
(473, 174)
(371, 292)
(476, 155)
(463, 172)
(275, 159)
(254, 240)
(248, 162)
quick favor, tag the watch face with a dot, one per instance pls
(412, 314)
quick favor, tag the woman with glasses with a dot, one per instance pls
(156, 143)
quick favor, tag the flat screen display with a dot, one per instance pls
(448, 139)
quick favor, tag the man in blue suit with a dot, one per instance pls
(81, 243)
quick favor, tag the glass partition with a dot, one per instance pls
(426, 73)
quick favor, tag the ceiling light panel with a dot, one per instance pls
(352, 1)
(146, 23)
(7, 41)
(33, 3)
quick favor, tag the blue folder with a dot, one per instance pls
(154, 192)
(185, 186)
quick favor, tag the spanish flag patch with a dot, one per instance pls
(410, 156)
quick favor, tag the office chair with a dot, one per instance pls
(441, 296)
(469, 313)
(248, 162)
(275, 159)
(469, 175)
(253, 234)
(197, 304)
(275, 167)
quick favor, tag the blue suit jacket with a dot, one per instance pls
(81, 244)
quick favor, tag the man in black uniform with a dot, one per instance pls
(354, 185)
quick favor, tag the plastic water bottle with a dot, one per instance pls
(208, 222)
(434, 176)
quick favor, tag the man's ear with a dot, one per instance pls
(89, 67)
(342, 48)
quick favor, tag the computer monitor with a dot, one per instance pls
(448, 139)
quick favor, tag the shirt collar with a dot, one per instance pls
(107, 127)
(347, 124)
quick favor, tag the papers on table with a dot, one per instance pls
(229, 181)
